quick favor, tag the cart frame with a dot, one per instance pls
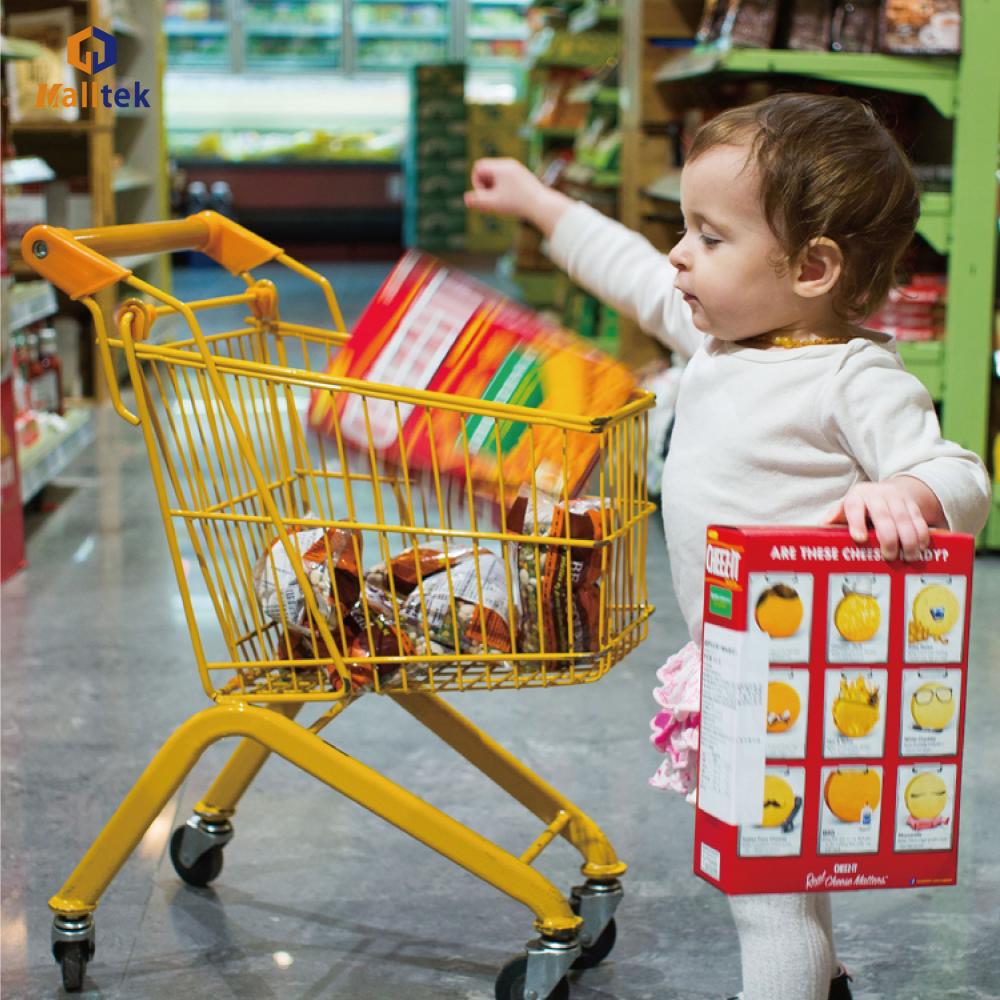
(262, 710)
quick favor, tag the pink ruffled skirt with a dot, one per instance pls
(675, 726)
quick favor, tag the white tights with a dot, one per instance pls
(786, 945)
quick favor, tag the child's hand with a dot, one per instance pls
(507, 187)
(901, 510)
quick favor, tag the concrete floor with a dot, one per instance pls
(320, 899)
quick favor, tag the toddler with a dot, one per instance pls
(797, 211)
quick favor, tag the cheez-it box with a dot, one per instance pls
(833, 708)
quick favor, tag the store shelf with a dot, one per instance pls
(497, 35)
(935, 79)
(179, 27)
(553, 133)
(129, 179)
(27, 170)
(125, 29)
(590, 15)
(292, 31)
(925, 359)
(594, 92)
(55, 449)
(666, 187)
(935, 220)
(19, 48)
(60, 126)
(30, 301)
(407, 34)
(992, 535)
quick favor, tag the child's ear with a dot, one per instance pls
(818, 268)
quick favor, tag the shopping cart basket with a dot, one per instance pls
(409, 575)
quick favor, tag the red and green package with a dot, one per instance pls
(431, 327)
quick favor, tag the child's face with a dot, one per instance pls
(731, 268)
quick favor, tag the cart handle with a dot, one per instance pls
(77, 261)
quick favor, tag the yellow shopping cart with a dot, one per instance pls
(331, 571)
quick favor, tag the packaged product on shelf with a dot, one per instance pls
(750, 24)
(433, 328)
(855, 26)
(922, 27)
(809, 25)
(552, 576)
(833, 710)
(50, 30)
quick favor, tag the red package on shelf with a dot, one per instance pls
(833, 711)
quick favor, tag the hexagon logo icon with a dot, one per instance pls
(105, 53)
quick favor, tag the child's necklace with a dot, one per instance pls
(764, 340)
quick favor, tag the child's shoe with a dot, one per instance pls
(839, 988)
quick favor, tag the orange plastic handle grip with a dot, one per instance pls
(78, 261)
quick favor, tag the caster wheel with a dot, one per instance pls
(73, 958)
(510, 982)
(597, 952)
(204, 870)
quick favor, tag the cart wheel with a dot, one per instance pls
(510, 982)
(594, 954)
(204, 870)
(73, 958)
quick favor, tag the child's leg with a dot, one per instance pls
(784, 950)
(821, 903)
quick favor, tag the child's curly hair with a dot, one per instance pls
(827, 167)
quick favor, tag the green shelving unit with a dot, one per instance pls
(962, 224)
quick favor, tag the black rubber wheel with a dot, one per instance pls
(73, 958)
(510, 982)
(597, 952)
(204, 870)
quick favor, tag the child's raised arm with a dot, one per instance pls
(617, 265)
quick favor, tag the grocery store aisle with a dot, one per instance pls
(318, 898)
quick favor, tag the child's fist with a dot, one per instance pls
(503, 187)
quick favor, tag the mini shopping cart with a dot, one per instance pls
(238, 480)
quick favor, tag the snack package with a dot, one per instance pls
(482, 610)
(855, 26)
(543, 573)
(809, 24)
(403, 568)
(330, 564)
(834, 689)
(922, 26)
(751, 24)
(433, 328)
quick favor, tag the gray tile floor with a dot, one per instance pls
(318, 898)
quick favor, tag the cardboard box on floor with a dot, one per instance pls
(833, 711)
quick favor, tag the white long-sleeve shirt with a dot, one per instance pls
(767, 436)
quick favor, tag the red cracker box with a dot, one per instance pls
(833, 709)
(432, 327)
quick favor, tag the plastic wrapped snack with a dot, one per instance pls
(482, 610)
(330, 561)
(543, 571)
(403, 569)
